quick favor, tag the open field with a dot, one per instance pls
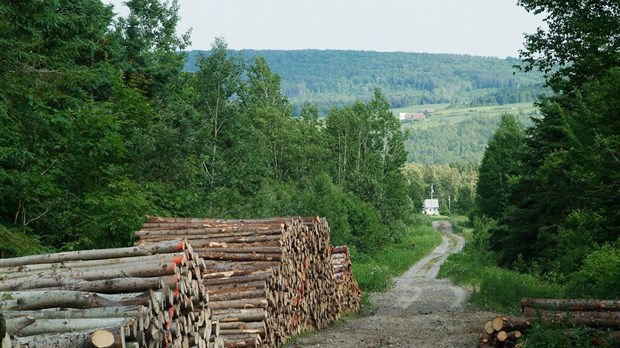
(446, 114)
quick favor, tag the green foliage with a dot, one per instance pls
(580, 42)
(598, 277)
(330, 78)
(454, 185)
(101, 127)
(562, 204)
(16, 241)
(456, 134)
(542, 335)
(494, 288)
(502, 290)
(499, 164)
(374, 271)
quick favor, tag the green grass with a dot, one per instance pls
(374, 272)
(494, 288)
(446, 114)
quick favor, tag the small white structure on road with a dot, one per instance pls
(431, 206)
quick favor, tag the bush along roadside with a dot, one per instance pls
(374, 270)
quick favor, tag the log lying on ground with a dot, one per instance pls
(571, 304)
(272, 275)
(150, 295)
(349, 292)
(577, 318)
(600, 317)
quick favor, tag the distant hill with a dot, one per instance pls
(335, 78)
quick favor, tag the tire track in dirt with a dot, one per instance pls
(418, 311)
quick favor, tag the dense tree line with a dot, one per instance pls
(558, 185)
(453, 185)
(336, 78)
(100, 126)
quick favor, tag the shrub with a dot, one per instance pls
(599, 277)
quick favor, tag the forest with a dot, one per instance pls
(329, 78)
(547, 199)
(104, 119)
(101, 126)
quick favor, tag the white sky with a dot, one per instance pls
(476, 27)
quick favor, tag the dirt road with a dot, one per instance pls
(419, 311)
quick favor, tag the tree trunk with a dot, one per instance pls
(571, 304)
(98, 338)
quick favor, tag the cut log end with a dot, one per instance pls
(498, 323)
(488, 327)
(102, 339)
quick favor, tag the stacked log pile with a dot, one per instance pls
(504, 331)
(267, 279)
(146, 296)
(348, 291)
(602, 317)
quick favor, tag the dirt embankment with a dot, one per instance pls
(418, 311)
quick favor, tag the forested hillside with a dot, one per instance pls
(336, 78)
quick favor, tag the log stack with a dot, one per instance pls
(267, 279)
(146, 296)
(601, 317)
(504, 331)
(347, 288)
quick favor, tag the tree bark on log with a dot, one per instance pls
(53, 326)
(83, 339)
(56, 313)
(591, 319)
(571, 304)
(168, 246)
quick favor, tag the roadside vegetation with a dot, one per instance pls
(374, 271)
(493, 287)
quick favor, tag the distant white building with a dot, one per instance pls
(431, 206)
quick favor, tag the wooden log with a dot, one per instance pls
(237, 295)
(180, 258)
(488, 327)
(211, 232)
(260, 276)
(510, 323)
(14, 325)
(514, 335)
(31, 300)
(48, 326)
(571, 304)
(113, 285)
(596, 319)
(137, 270)
(497, 323)
(241, 304)
(97, 338)
(64, 313)
(233, 273)
(148, 249)
(239, 315)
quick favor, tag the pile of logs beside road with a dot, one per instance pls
(602, 317)
(349, 292)
(267, 279)
(146, 296)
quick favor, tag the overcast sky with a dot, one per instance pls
(476, 27)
